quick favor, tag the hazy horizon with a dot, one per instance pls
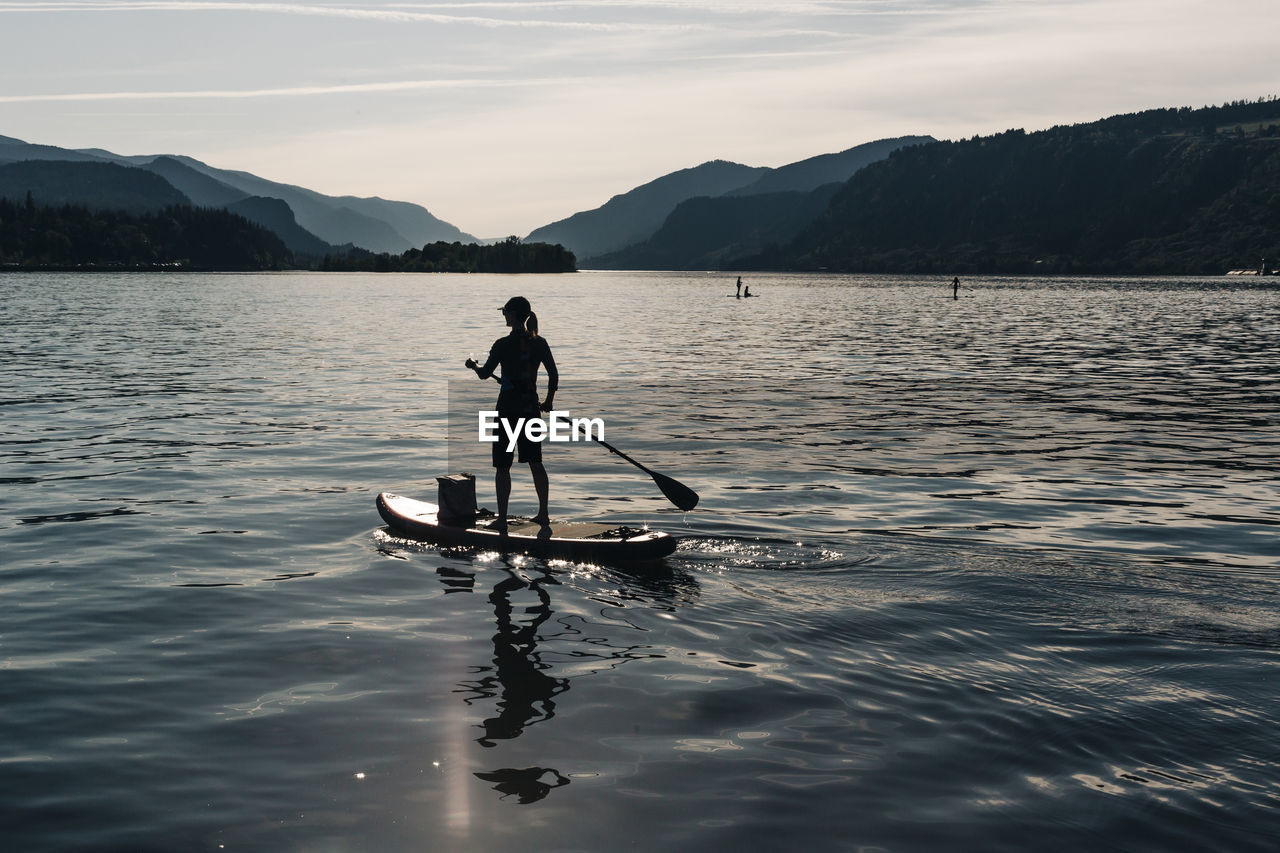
(500, 117)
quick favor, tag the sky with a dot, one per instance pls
(503, 116)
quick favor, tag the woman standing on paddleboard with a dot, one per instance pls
(519, 354)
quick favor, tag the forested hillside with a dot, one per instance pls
(1163, 191)
(702, 232)
(97, 186)
(75, 237)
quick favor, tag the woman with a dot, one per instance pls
(519, 354)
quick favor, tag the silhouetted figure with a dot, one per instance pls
(955, 287)
(519, 353)
(747, 292)
(740, 287)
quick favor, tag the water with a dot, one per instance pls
(990, 573)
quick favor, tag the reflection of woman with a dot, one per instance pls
(529, 784)
(522, 682)
(526, 694)
(519, 354)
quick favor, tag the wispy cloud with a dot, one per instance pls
(432, 11)
(283, 92)
(603, 16)
(529, 109)
(393, 14)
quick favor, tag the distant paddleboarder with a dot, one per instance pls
(519, 354)
(955, 287)
(740, 287)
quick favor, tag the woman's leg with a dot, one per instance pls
(542, 486)
(502, 485)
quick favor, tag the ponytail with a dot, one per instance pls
(517, 308)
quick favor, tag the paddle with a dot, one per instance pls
(677, 492)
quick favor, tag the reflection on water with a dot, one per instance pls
(519, 679)
(528, 785)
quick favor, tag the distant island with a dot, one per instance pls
(511, 255)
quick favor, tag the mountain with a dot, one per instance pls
(634, 216)
(203, 190)
(373, 223)
(1177, 191)
(150, 188)
(97, 186)
(600, 236)
(701, 233)
(271, 213)
(276, 216)
(13, 150)
(814, 172)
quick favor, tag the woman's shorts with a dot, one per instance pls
(530, 451)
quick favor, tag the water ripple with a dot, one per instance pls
(964, 575)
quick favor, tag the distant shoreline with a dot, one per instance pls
(1272, 279)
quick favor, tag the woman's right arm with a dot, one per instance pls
(489, 366)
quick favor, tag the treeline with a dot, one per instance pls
(36, 236)
(1159, 192)
(508, 256)
(72, 236)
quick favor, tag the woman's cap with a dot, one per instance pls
(517, 305)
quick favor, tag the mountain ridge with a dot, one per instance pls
(628, 220)
(632, 216)
(95, 185)
(702, 233)
(335, 220)
(814, 172)
(1162, 191)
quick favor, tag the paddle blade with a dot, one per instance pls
(678, 493)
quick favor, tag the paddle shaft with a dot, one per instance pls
(609, 447)
(677, 492)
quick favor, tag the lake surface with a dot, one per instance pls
(995, 573)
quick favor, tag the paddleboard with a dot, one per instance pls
(567, 540)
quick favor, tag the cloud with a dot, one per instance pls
(400, 14)
(294, 91)
(551, 106)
